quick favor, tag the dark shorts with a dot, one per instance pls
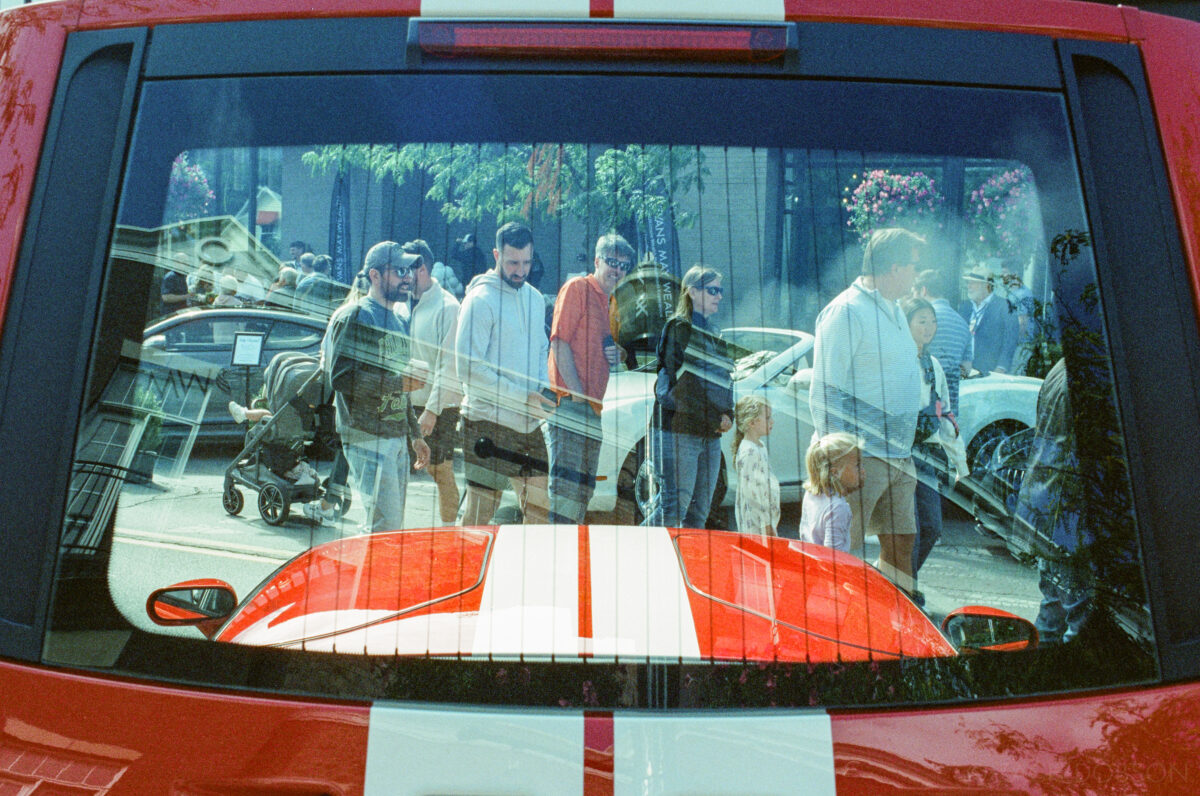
(513, 454)
(444, 438)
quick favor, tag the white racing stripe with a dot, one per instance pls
(422, 751)
(549, 9)
(530, 603)
(755, 10)
(639, 601)
(747, 10)
(728, 754)
(432, 750)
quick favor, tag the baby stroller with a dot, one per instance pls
(301, 421)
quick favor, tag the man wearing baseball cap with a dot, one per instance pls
(992, 324)
(366, 358)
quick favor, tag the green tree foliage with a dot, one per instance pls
(512, 181)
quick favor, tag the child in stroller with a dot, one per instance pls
(298, 417)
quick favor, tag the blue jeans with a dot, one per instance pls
(380, 471)
(339, 474)
(688, 466)
(573, 440)
(928, 502)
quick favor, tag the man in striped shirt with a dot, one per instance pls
(867, 381)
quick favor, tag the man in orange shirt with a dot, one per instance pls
(582, 353)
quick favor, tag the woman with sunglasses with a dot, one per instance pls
(694, 402)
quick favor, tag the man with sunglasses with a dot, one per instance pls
(582, 353)
(366, 358)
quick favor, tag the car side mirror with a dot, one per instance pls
(204, 604)
(801, 381)
(978, 628)
(156, 341)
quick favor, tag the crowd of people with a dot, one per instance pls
(417, 373)
(303, 283)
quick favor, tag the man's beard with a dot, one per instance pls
(397, 293)
(508, 281)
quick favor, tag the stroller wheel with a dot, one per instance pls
(343, 506)
(272, 505)
(232, 500)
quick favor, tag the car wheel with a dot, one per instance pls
(272, 506)
(639, 491)
(626, 511)
(981, 446)
(647, 490)
(232, 500)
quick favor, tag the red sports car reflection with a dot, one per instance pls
(564, 592)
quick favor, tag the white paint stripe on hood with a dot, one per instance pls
(639, 601)
(530, 603)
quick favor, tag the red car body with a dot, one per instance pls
(79, 732)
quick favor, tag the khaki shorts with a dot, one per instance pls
(884, 505)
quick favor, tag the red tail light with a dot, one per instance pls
(603, 41)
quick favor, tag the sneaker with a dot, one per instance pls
(238, 411)
(319, 515)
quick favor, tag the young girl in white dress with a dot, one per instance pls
(834, 467)
(756, 509)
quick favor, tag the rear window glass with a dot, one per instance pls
(588, 441)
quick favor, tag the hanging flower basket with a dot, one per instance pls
(884, 199)
(188, 194)
(1002, 213)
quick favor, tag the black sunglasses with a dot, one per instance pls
(624, 266)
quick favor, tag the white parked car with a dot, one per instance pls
(778, 364)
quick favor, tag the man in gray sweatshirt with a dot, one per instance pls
(501, 349)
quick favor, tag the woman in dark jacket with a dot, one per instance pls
(694, 401)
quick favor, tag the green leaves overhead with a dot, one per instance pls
(512, 181)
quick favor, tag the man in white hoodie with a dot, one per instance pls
(501, 349)
(432, 325)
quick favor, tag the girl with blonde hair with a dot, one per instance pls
(834, 464)
(756, 509)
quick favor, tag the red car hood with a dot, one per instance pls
(585, 592)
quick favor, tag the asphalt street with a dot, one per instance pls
(175, 529)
